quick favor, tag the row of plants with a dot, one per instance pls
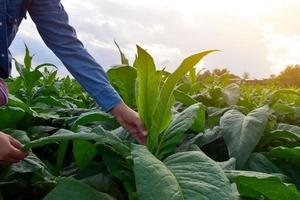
(209, 139)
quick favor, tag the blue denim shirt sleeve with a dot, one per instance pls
(53, 25)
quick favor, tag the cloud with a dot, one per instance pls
(172, 30)
(283, 48)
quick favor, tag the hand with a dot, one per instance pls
(130, 120)
(10, 150)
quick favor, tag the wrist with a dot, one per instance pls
(117, 109)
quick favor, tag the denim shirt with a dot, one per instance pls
(52, 24)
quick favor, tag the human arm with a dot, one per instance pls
(52, 23)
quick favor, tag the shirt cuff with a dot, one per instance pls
(108, 98)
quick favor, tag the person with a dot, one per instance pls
(53, 26)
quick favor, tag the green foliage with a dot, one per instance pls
(242, 133)
(188, 175)
(202, 127)
(269, 187)
(123, 78)
(155, 99)
(69, 188)
(173, 135)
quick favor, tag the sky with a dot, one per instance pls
(258, 37)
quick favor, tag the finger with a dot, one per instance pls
(141, 128)
(15, 143)
(140, 140)
(144, 139)
(136, 134)
(17, 154)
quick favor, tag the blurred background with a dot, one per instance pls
(257, 38)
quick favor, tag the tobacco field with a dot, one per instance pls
(210, 139)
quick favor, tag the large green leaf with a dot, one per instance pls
(104, 183)
(15, 102)
(174, 133)
(162, 115)
(30, 164)
(260, 163)
(289, 127)
(243, 132)
(50, 101)
(123, 78)
(19, 135)
(10, 117)
(60, 136)
(122, 170)
(270, 188)
(69, 188)
(148, 86)
(98, 135)
(232, 174)
(188, 175)
(291, 155)
(83, 152)
(280, 135)
(184, 98)
(291, 171)
(90, 117)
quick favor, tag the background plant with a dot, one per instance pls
(210, 137)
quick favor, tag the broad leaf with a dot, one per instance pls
(104, 183)
(148, 86)
(260, 163)
(291, 155)
(184, 98)
(279, 135)
(174, 133)
(270, 187)
(90, 117)
(243, 132)
(165, 102)
(83, 152)
(21, 136)
(10, 117)
(232, 174)
(98, 135)
(31, 164)
(288, 127)
(14, 101)
(69, 188)
(123, 79)
(188, 175)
